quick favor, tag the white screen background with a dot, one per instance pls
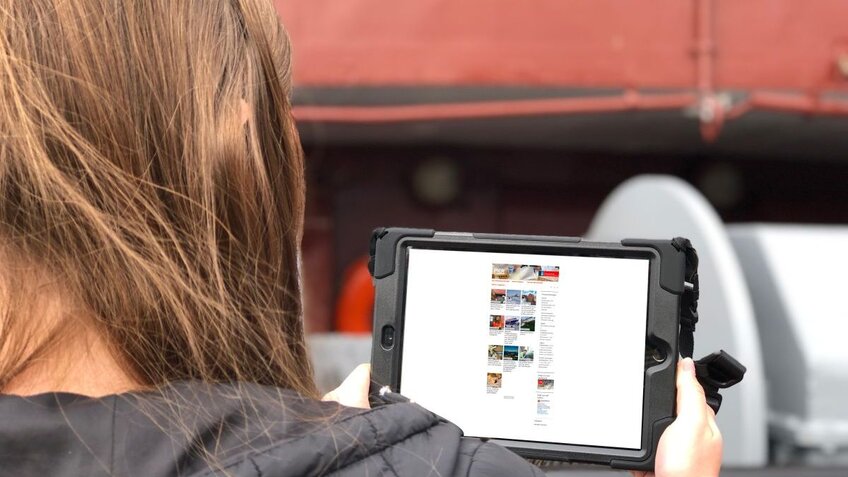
(598, 339)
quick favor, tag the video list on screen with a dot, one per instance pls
(521, 326)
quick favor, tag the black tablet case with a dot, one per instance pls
(387, 266)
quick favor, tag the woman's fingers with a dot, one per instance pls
(353, 391)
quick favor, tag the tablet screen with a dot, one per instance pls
(546, 348)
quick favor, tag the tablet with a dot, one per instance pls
(555, 347)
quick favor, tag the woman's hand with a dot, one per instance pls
(353, 391)
(691, 445)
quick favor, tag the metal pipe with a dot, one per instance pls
(630, 101)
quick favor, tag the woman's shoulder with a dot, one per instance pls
(394, 439)
(192, 428)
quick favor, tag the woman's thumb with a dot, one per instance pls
(690, 395)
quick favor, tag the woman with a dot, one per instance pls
(151, 209)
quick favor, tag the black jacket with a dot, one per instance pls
(193, 429)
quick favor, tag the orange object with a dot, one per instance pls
(355, 305)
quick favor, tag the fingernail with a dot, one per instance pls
(689, 365)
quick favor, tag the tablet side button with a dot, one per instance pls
(387, 337)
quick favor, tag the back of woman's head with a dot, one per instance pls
(149, 166)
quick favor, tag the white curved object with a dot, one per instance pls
(665, 207)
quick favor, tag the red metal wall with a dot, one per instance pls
(779, 44)
(758, 44)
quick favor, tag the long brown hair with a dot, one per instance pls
(150, 164)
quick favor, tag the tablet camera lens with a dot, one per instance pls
(657, 355)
